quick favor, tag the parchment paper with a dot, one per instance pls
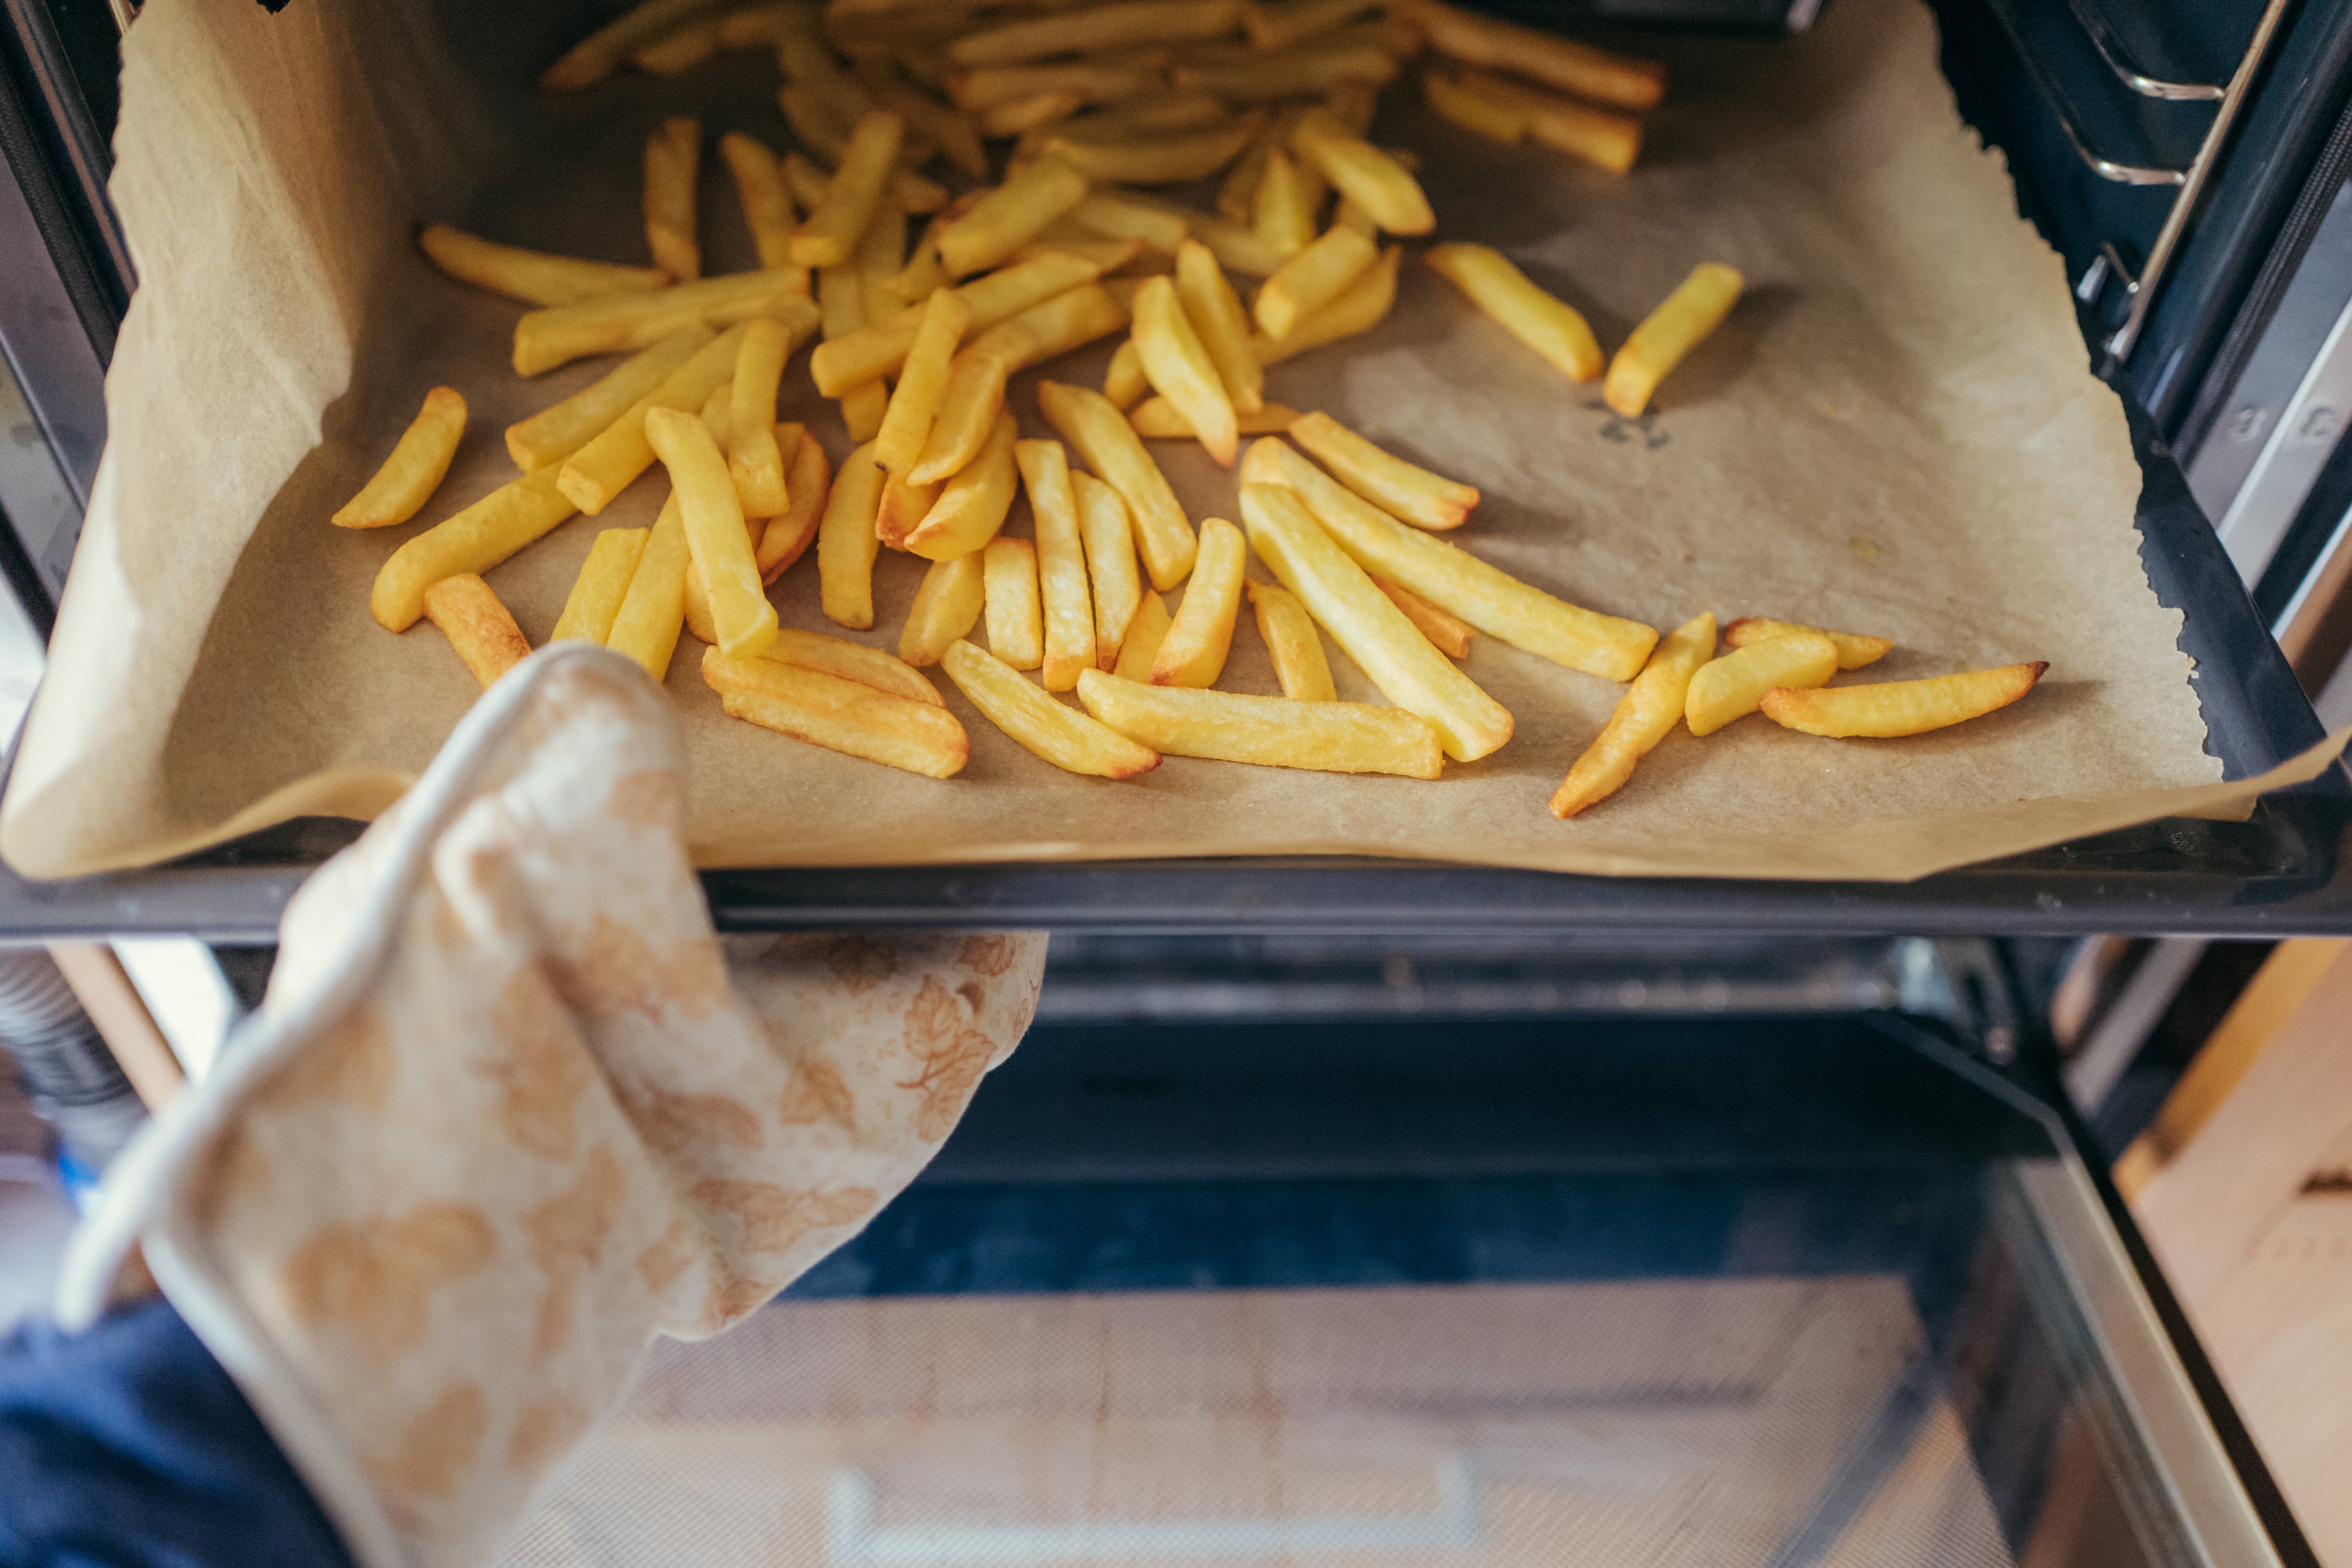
(1895, 433)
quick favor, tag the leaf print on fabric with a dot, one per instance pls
(860, 963)
(436, 1449)
(647, 799)
(542, 1068)
(567, 1235)
(546, 1428)
(355, 1065)
(676, 1123)
(618, 971)
(991, 953)
(818, 1095)
(951, 1056)
(377, 1277)
(777, 1219)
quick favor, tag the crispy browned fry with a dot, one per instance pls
(715, 530)
(1385, 646)
(879, 350)
(533, 275)
(1180, 368)
(1109, 540)
(1551, 327)
(759, 189)
(409, 477)
(1404, 491)
(1292, 643)
(1193, 652)
(946, 607)
(1495, 118)
(1124, 384)
(971, 506)
(1061, 563)
(847, 541)
(1590, 73)
(1015, 615)
(601, 52)
(477, 625)
(1854, 651)
(790, 534)
(1156, 419)
(611, 462)
(1041, 726)
(475, 540)
(845, 716)
(1679, 324)
(1732, 687)
(1008, 218)
(1273, 24)
(1290, 73)
(1903, 707)
(673, 165)
(867, 167)
(1363, 173)
(1113, 27)
(754, 462)
(1283, 214)
(559, 334)
(1271, 731)
(922, 385)
(854, 661)
(1449, 634)
(1109, 446)
(1602, 136)
(969, 407)
(653, 612)
(994, 88)
(603, 583)
(1215, 313)
(1165, 159)
(1644, 716)
(902, 509)
(1360, 308)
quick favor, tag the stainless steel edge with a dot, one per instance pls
(2111, 49)
(2300, 443)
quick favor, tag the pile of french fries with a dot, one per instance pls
(1054, 243)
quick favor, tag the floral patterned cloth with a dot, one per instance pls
(511, 1108)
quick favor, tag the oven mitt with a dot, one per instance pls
(511, 1109)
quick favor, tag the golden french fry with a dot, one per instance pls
(603, 583)
(1679, 324)
(1602, 136)
(1360, 308)
(971, 506)
(1237, 192)
(1644, 716)
(1732, 687)
(1015, 615)
(969, 407)
(1193, 652)
(1113, 27)
(805, 181)
(923, 275)
(1061, 563)
(680, 49)
(1355, 103)
(841, 302)
(1590, 73)
(991, 90)
(475, 540)
(1145, 632)
(862, 408)
(946, 607)
(1449, 634)
(1109, 542)
(1041, 726)
(1108, 254)
(716, 533)
(653, 612)
(1215, 313)
(873, 352)
(718, 411)
(881, 252)
(1166, 158)
(1271, 731)
(1452, 579)
(1497, 119)
(1156, 419)
(609, 463)
(1029, 112)
(848, 541)
(1273, 24)
(1009, 217)
(1374, 633)
(533, 275)
(1109, 446)
(1291, 639)
(1853, 651)
(1053, 327)
(1124, 121)
(1348, 215)
(902, 509)
(854, 661)
(1894, 707)
(793, 531)
(846, 716)
(957, 137)
(673, 167)
(1124, 384)
(1296, 72)
(1122, 216)
(1312, 279)
(754, 462)
(559, 334)
(1404, 491)
(409, 477)
(1180, 368)
(477, 625)
(1283, 213)
(1363, 173)
(601, 52)
(758, 26)
(1549, 326)
(922, 383)
(867, 163)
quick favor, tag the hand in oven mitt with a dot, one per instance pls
(511, 1109)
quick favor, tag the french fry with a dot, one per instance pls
(680, 49)
(1282, 211)
(1158, 112)
(673, 166)
(993, 89)
(971, 506)
(957, 137)
(1109, 446)
(1497, 119)
(1122, 216)
(1355, 103)
(790, 534)
(1273, 24)
(1679, 324)
(408, 478)
(1292, 643)
(1644, 716)
(1181, 370)
(754, 462)
(1145, 632)
(1014, 612)
(1289, 73)
(532, 276)
(1452, 579)
(475, 540)
(1590, 73)
(1009, 217)
(603, 583)
(601, 52)
(1853, 651)
(1108, 254)
(1114, 27)
(1124, 384)
(1041, 726)
(1163, 160)
(1312, 279)
(881, 252)
(1551, 327)
(1360, 308)
(1894, 707)
(559, 334)
(1404, 491)
(1061, 563)
(718, 411)
(1237, 192)
(1030, 112)
(653, 612)
(592, 477)
(867, 166)
(922, 274)
(854, 661)
(969, 406)
(945, 607)
(757, 26)
(847, 541)
(1193, 652)
(716, 533)
(845, 716)
(1156, 419)
(1271, 731)
(903, 507)
(1731, 687)
(1449, 634)
(1215, 313)
(1109, 542)
(477, 625)
(878, 349)
(863, 409)
(806, 182)
(1373, 632)
(922, 382)
(1053, 327)
(1605, 138)
(1363, 173)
